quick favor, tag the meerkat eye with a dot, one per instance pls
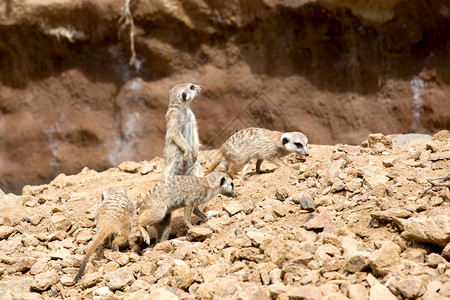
(298, 145)
(222, 181)
(232, 185)
(285, 141)
(192, 87)
(183, 96)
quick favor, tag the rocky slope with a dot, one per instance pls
(337, 70)
(349, 222)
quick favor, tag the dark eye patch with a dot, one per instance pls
(285, 141)
(183, 96)
(298, 145)
(222, 181)
(232, 185)
(192, 87)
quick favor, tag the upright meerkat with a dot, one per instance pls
(259, 143)
(182, 143)
(114, 218)
(175, 192)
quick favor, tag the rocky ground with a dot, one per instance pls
(348, 222)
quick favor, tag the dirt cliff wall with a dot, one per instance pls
(336, 70)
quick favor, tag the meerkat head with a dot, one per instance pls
(112, 190)
(295, 142)
(183, 93)
(224, 182)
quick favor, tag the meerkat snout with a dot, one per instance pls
(295, 142)
(227, 186)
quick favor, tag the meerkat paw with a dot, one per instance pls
(144, 235)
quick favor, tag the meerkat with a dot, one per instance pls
(181, 142)
(259, 143)
(179, 191)
(114, 218)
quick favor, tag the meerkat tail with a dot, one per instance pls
(215, 163)
(99, 238)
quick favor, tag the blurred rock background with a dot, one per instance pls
(336, 70)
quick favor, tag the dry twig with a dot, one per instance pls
(128, 17)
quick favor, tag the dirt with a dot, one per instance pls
(348, 185)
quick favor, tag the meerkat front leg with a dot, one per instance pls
(181, 142)
(258, 166)
(199, 213)
(278, 162)
(188, 209)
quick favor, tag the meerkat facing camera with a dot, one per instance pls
(181, 143)
(259, 143)
(175, 192)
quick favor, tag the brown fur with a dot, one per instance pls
(175, 192)
(114, 217)
(259, 143)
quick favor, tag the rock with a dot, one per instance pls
(446, 252)
(434, 259)
(434, 230)
(389, 214)
(161, 293)
(282, 193)
(306, 204)
(354, 185)
(61, 223)
(10, 200)
(182, 276)
(44, 281)
(405, 139)
(15, 287)
(103, 291)
(357, 262)
(318, 222)
(257, 236)
(280, 210)
(373, 139)
(62, 253)
(198, 234)
(305, 292)
(5, 232)
(410, 288)
(210, 273)
(384, 259)
(380, 292)
(389, 162)
(443, 135)
(357, 292)
(440, 156)
(88, 280)
(232, 207)
(119, 279)
(24, 264)
(445, 289)
(140, 285)
(148, 167)
(222, 288)
(84, 236)
(130, 167)
(278, 289)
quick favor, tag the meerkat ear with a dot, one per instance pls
(183, 96)
(285, 141)
(222, 181)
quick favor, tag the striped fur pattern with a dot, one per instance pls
(114, 218)
(182, 143)
(260, 144)
(176, 192)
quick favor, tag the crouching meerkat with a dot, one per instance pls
(114, 218)
(175, 192)
(182, 143)
(259, 143)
